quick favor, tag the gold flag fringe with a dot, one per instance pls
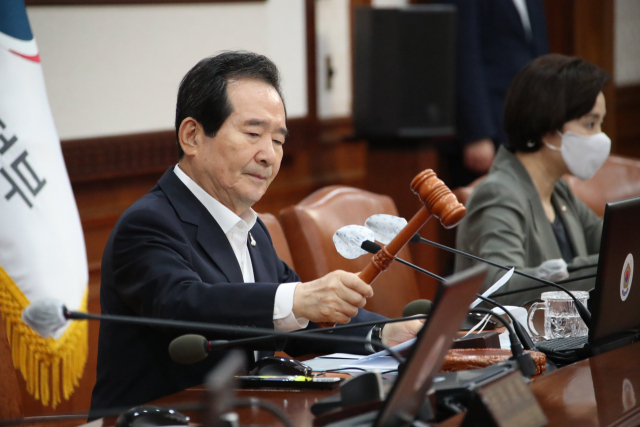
(43, 361)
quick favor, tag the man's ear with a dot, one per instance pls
(188, 135)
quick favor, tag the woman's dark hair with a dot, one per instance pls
(547, 93)
(203, 90)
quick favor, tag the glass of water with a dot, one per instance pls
(561, 319)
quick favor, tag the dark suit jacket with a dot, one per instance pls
(492, 48)
(168, 258)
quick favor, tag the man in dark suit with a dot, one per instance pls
(495, 39)
(193, 249)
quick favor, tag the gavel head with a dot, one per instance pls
(438, 199)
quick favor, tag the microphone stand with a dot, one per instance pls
(523, 336)
(524, 360)
(221, 344)
(533, 288)
(212, 327)
(582, 310)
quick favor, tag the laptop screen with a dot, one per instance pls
(431, 347)
(615, 300)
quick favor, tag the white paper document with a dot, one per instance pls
(377, 361)
(504, 279)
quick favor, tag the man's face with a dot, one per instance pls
(237, 165)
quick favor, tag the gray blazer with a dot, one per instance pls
(506, 223)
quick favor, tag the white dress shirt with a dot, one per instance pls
(236, 228)
(521, 6)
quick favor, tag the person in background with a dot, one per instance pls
(523, 214)
(495, 39)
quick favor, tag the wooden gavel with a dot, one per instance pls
(438, 201)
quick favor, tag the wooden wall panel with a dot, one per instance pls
(390, 169)
(584, 28)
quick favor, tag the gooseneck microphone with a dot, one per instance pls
(385, 227)
(525, 361)
(533, 288)
(191, 348)
(48, 316)
(522, 334)
(420, 306)
(580, 308)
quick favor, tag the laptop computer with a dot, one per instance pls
(427, 355)
(615, 318)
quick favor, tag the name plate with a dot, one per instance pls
(506, 402)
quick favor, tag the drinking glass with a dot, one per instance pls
(561, 319)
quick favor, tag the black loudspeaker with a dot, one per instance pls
(404, 72)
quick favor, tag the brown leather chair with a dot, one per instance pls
(277, 236)
(617, 179)
(309, 227)
(10, 398)
(463, 193)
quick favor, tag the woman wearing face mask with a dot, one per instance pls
(523, 214)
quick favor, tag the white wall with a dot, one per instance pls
(627, 42)
(389, 3)
(333, 40)
(116, 69)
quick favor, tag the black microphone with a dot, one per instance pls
(525, 361)
(420, 306)
(580, 308)
(46, 316)
(521, 333)
(191, 348)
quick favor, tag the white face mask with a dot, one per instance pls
(583, 154)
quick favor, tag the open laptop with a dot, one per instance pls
(614, 302)
(427, 355)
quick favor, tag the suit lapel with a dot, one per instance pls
(509, 163)
(515, 20)
(260, 271)
(209, 236)
(217, 246)
(538, 26)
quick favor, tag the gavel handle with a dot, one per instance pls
(383, 258)
(381, 261)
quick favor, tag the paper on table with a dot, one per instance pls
(341, 356)
(382, 363)
(380, 360)
(398, 348)
(504, 279)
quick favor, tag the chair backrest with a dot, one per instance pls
(277, 236)
(617, 179)
(309, 227)
(463, 193)
(10, 398)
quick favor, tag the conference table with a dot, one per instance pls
(600, 391)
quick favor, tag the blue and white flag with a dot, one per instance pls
(42, 252)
